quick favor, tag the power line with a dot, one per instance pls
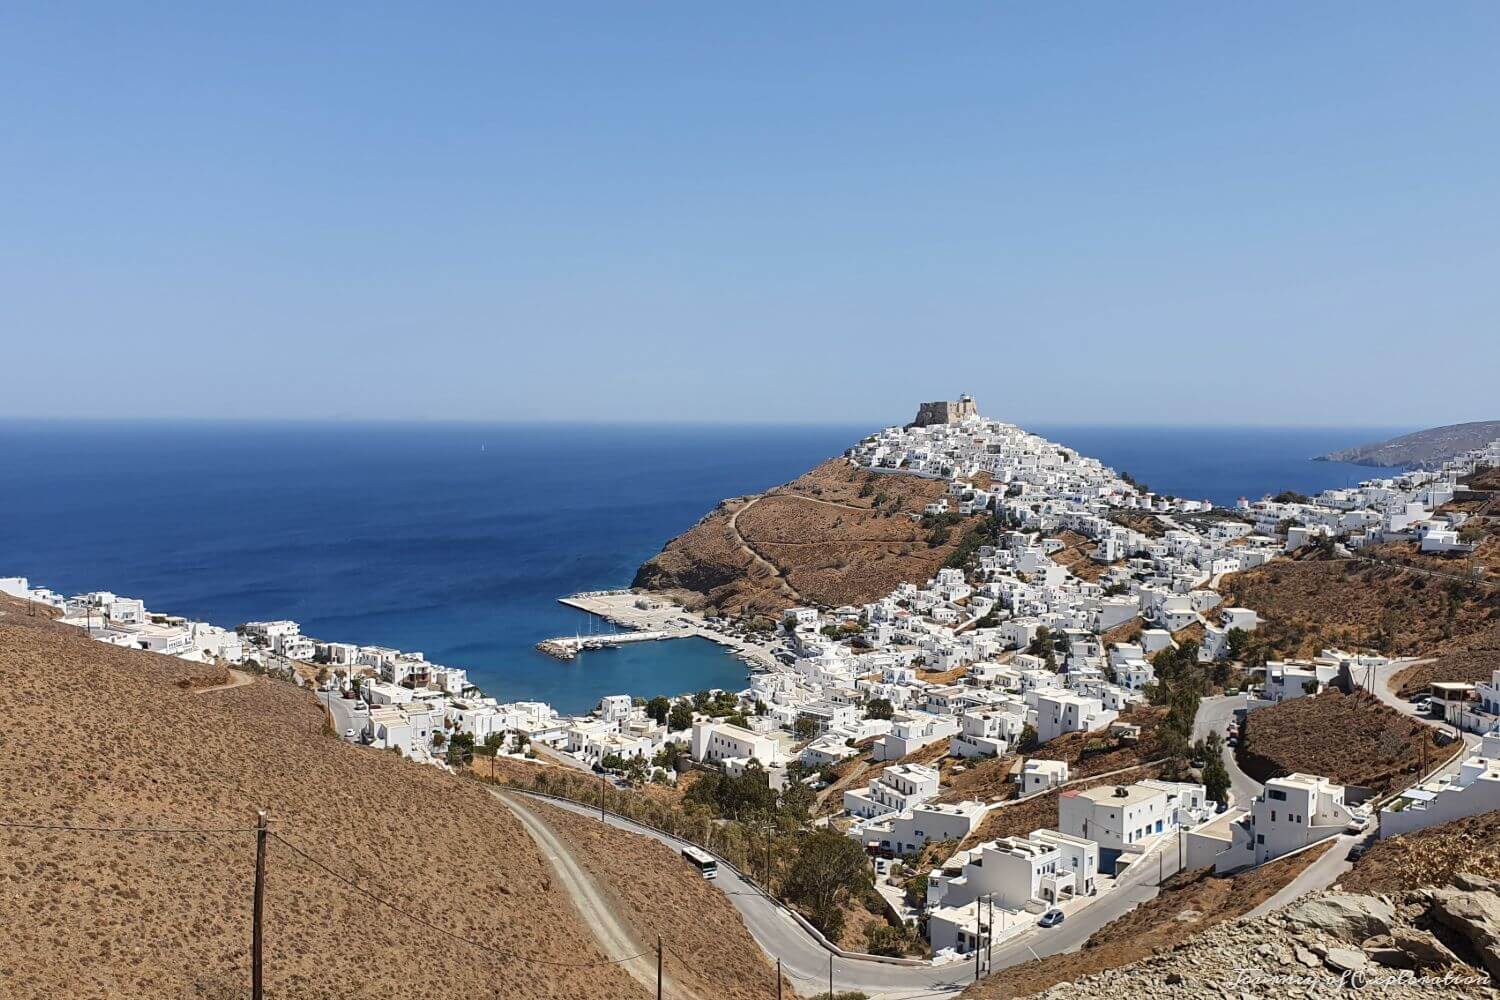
(63, 828)
(443, 930)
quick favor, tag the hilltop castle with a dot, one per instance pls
(945, 412)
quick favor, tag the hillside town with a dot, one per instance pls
(1007, 652)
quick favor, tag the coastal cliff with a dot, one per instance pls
(837, 535)
(1422, 449)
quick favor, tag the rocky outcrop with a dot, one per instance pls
(1476, 916)
(1422, 449)
(1425, 943)
(1344, 916)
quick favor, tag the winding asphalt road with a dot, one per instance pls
(806, 960)
(1215, 715)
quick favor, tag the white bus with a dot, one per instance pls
(705, 863)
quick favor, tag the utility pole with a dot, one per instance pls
(256, 988)
(768, 860)
(989, 944)
(778, 979)
(601, 798)
(830, 975)
(658, 967)
(978, 929)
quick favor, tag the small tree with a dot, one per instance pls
(659, 708)
(1216, 778)
(879, 708)
(805, 728)
(828, 871)
(460, 749)
(681, 717)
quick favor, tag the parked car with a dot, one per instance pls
(1357, 851)
(1050, 919)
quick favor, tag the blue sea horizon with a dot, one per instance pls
(457, 538)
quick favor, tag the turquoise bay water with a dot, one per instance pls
(458, 539)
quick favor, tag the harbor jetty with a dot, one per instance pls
(569, 647)
(649, 618)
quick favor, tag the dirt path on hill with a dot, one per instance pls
(237, 679)
(597, 910)
(826, 503)
(781, 581)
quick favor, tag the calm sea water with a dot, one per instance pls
(457, 539)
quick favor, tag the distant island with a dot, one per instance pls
(1421, 449)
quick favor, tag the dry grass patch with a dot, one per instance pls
(707, 945)
(1429, 857)
(1351, 603)
(169, 916)
(1350, 739)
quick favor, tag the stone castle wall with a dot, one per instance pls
(945, 411)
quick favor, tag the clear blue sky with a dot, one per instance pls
(1147, 212)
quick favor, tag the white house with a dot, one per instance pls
(1127, 818)
(986, 733)
(1040, 775)
(713, 742)
(1297, 810)
(614, 707)
(1473, 790)
(911, 731)
(910, 831)
(1296, 679)
(896, 789)
(1016, 873)
(1059, 712)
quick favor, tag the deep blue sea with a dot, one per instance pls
(457, 539)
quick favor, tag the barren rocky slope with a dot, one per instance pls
(1425, 943)
(837, 535)
(1433, 856)
(101, 736)
(1422, 448)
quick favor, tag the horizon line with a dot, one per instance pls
(409, 421)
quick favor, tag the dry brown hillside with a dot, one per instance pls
(99, 736)
(1476, 661)
(837, 535)
(1308, 605)
(1429, 857)
(1351, 739)
(707, 946)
